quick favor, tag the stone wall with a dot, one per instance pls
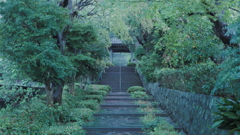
(191, 111)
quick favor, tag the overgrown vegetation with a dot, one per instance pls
(30, 115)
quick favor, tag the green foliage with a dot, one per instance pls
(85, 114)
(99, 87)
(157, 125)
(97, 92)
(139, 52)
(135, 89)
(179, 36)
(30, 117)
(131, 64)
(84, 50)
(228, 115)
(139, 94)
(91, 104)
(229, 76)
(99, 98)
(234, 29)
(164, 128)
(147, 66)
(68, 129)
(28, 38)
(199, 78)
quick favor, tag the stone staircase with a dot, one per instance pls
(118, 114)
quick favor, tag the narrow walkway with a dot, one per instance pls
(119, 114)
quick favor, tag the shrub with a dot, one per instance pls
(139, 94)
(84, 114)
(97, 92)
(131, 64)
(199, 78)
(135, 88)
(91, 104)
(139, 52)
(163, 128)
(99, 98)
(157, 125)
(30, 117)
(147, 66)
(68, 129)
(99, 87)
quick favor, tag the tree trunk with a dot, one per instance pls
(54, 92)
(57, 92)
(49, 93)
(71, 86)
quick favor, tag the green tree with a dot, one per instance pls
(28, 28)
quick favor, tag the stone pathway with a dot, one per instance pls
(119, 113)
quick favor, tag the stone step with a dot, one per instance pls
(129, 114)
(118, 105)
(119, 102)
(119, 94)
(114, 129)
(111, 122)
(125, 110)
(128, 98)
(117, 133)
(115, 121)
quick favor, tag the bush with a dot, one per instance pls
(99, 87)
(97, 92)
(135, 88)
(91, 104)
(68, 129)
(139, 94)
(31, 116)
(99, 98)
(84, 114)
(139, 52)
(157, 126)
(163, 128)
(147, 66)
(131, 64)
(199, 78)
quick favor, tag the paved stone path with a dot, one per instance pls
(118, 114)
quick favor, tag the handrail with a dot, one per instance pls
(120, 80)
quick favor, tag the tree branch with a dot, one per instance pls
(235, 9)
